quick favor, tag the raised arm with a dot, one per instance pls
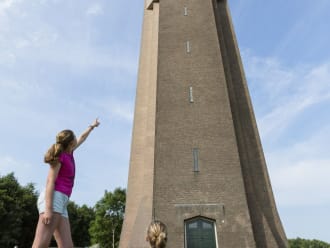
(85, 134)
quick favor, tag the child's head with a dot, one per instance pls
(157, 234)
(64, 139)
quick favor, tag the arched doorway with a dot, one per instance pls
(200, 232)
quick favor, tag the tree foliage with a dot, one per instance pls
(19, 216)
(108, 218)
(305, 243)
(18, 212)
(80, 219)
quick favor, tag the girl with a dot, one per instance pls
(157, 234)
(52, 203)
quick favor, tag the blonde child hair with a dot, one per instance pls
(157, 234)
(63, 140)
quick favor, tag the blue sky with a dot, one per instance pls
(63, 63)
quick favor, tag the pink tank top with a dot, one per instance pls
(65, 178)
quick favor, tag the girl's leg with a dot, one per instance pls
(44, 232)
(63, 233)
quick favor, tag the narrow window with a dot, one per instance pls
(188, 47)
(195, 156)
(191, 97)
(185, 11)
(224, 213)
(200, 232)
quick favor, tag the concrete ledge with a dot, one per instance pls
(212, 211)
(150, 3)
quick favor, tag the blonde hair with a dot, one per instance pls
(63, 140)
(157, 234)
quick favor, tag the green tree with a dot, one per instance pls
(18, 212)
(108, 218)
(80, 219)
(305, 243)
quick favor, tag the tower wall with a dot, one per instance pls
(138, 211)
(268, 230)
(206, 124)
(195, 148)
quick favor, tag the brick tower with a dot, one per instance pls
(196, 159)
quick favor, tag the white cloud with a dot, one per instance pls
(299, 165)
(40, 50)
(304, 182)
(7, 58)
(6, 162)
(5, 4)
(285, 93)
(305, 25)
(17, 91)
(84, 56)
(28, 41)
(300, 171)
(123, 111)
(24, 171)
(94, 10)
(9, 164)
(116, 108)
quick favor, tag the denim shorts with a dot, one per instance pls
(60, 203)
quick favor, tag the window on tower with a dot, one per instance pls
(191, 97)
(188, 47)
(195, 156)
(185, 11)
(200, 233)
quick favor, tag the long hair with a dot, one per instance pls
(63, 139)
(157, 234)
